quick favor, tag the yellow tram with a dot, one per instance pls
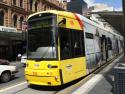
(64, 46)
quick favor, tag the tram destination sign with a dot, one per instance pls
(40, 23)
(7, 29)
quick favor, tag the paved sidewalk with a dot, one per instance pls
(106, 85)
(101, 83)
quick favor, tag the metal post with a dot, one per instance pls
(123, 4)
(24, 33)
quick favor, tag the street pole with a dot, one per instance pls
(24, 29)
(123, 5)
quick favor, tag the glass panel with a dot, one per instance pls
(76, 43)
(71, 43)
(21, 3)
(41, 39)
(65, 44)
(40, 23)
(14, 2)
(1, 18)
(89, 35)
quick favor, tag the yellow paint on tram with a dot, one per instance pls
(63, 71)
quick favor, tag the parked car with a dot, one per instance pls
(7, 72)
(4, 62)
(24, 59)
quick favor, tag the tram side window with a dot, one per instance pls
(65, 44)
(76, 43)
(71, 43)
(89, 35)
(122, 46)
(109, 43)
(82, 43)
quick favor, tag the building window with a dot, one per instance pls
(15, 20)
(31, 3)
(14, 2)
(21, 3)
(1, 0)
(21, 22)
(36, 4)
(45, 7)
(1, 18)
(109, 43)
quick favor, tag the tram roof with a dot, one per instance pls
(71, 15)
(84, 19)
(62, 13)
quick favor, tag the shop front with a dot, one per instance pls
(11, 43)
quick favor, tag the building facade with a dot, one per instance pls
(100, 7)
(77, 6)
(13, 13)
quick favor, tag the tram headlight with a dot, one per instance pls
(49, 66)
(52, 66)
(56, 78)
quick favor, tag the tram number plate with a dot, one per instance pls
(35, 73)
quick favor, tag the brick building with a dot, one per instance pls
(12, 15)
(13, 12)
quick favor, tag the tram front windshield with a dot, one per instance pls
(41, 38)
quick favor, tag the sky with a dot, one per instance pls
(117, 4)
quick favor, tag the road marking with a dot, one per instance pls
(14, 86)
(89, 84)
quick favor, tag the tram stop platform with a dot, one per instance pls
(101, 83)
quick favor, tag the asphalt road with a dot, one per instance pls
(20, 86)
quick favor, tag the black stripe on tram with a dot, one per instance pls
(61, 78)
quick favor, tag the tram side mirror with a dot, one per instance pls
(63, 21)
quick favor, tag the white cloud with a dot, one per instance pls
(118, 9)
(68, 0)
(90, 2)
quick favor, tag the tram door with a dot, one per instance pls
(103, 47)
(117, 46)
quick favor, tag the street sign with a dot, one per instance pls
(7, 29)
